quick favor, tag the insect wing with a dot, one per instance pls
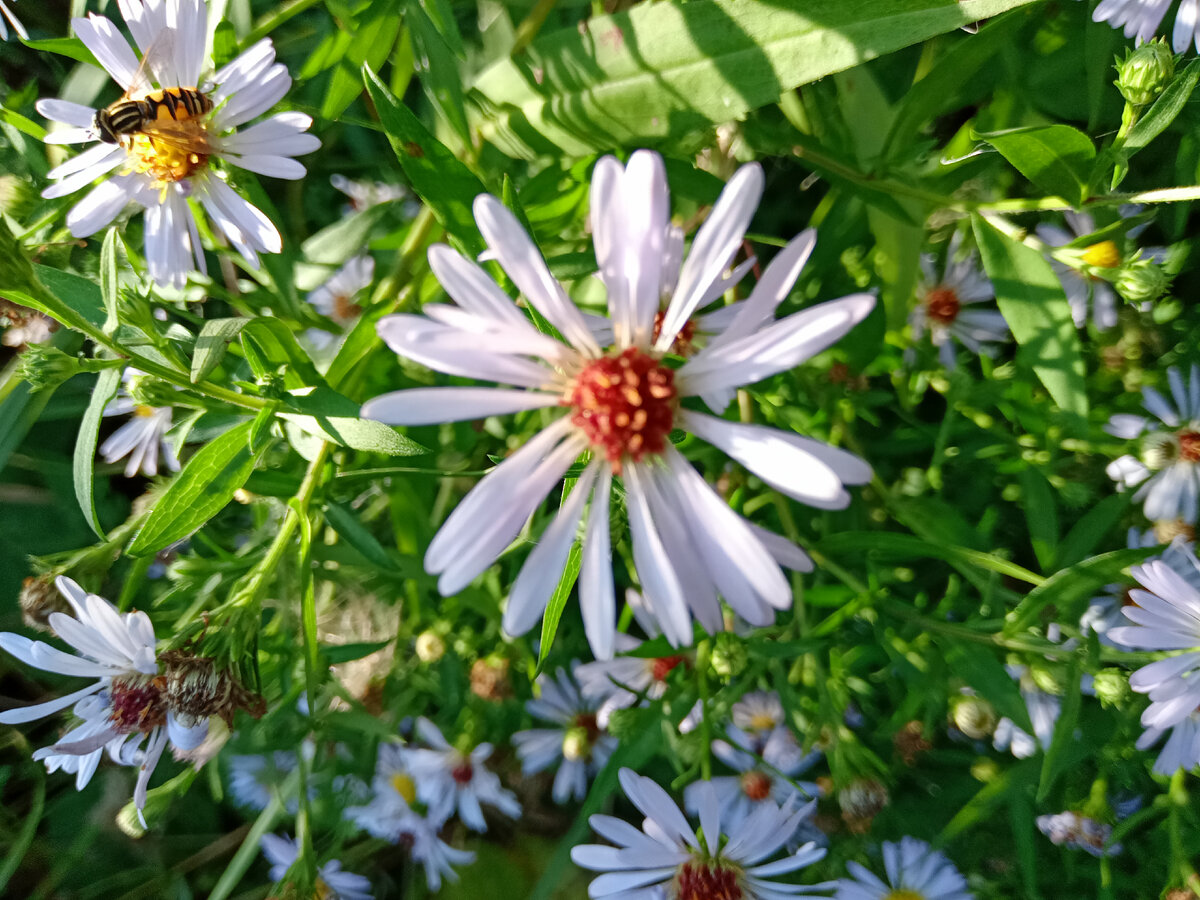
(152, 66)
(180, 135)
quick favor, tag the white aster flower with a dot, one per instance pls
(769, 779)
(668, 858)
(578, 745)
(6, 13)
(1082, 289)
(1043, 714)
(623, 681)
(390, 816)
(163, 170)
(915, 871)
(124, 707)
(1104, 612)
(365, 194)
(1166, 616)
(254, 779)
(758, 715)
(142, 438)
(1141, 18)
(621, 404)
(448, 780)
(941, 301)
(335, 299)
(1167, 476)
(1077, 831)
(332, 883)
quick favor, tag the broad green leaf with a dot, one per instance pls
(1056, 158)
(84, 463)
(346, 524)
(448, 186)
(440, 76)
(558, 602)
(22, 124)
(1036, 309)
(80, 296)
(373, 38)
(277, 345)
(981, 669)
(71, 47)
(200, 491)
(335, 654)
(211, 344)
(1041, 515)
(1069, 589)
(327, 414)
(661, 70)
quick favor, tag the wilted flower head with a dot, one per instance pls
(1079, 832)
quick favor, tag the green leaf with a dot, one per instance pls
(335, 654)
(1056, 158)
(346, 524)
(1095, 525)
(1165, 109)
(22, 124)
(982, 671)
(83, 465)
(448, 186)
(905, 546)
(441, 79)
(327, 414)
(558, 602)
(72, 48)
(1035, 307)
(110, 286)
(374, 35)
(345, 237)
(200, 491)
(1061, 740)
(1041, 515)
(277, 345)
(661, 70)
(211, 344)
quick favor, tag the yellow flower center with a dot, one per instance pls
(903, 894)
(762, 722)
(405, 787)
(1104, 255)
(322, 891)
(166, 161)
(143, 411)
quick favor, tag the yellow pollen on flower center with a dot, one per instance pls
(405, 787)
(762, 722)
(903, 894)
(166, 162)
(143, 411)
(1104, 255)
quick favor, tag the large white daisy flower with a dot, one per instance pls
(578, 745)
(1167, 475)
(620, 404)
(390, 815)
(1141, 18)
(941, 300)
(332, 883)
(915, 871)
(125, 706)
(163, 170)
(448, 780)
(670, 858)
(6, 13)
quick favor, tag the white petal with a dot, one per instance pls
(66, 112)
(429, 406)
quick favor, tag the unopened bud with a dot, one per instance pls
(974, 717)
(430, 646)
(43, 367)
(1142, 281)
(151, 392)
(625, 723)
(1049, 680)
(39, 598)
(1144, 73)
(1111, 687)
(729, 658)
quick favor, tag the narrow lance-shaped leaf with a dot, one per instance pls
(1056, 158)
(83, 465)
(642, 77)
(1036, 309)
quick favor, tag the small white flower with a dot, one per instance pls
(620, 405)
(448, 780)
(365, 194)
(254, 779)
(668, 854)
(162, 173)
(621, 682)
(390, 816)
(335, 298)
(6, 13)
(758, 714)
(1141, 18)
(579, 745)
(915, 871)
(141, 438)
(1043, 714)
(771, 778)
(1079, 832)
(1083, 290)
(332, 883)
(1167, 476)
(1104, 612)
(124, 707)
(1166, 616)
(941, 301)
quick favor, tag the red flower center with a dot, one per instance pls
(587, 721)
(1189, 446)
(756, 785)
(462, 773)
(138, 705)
(942, 304)
(683, 344)
(625, 405)
(704, 881)
(663, 665)
(344, 309)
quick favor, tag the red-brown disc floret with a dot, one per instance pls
(702, 881)
(625, 405)
(663, 666)
(1189, 446)
(756, 785)
(942, 304)
(463, 772)
(138, 705)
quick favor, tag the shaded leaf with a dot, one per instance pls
(84, 461)
(1056, 158)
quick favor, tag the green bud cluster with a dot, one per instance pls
(729, 658)
(1144, 73)
(1142, 281)
(44, 367)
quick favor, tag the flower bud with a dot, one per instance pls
(151, 392)
(430, 646)
(1142, 281)
(1112, 687)
(39, 598)
(625, 723)
(18, 197)
(1144, 73)
(729, 657)
(43, 367)
(861, 801)
(1048, 679)
(973, 716)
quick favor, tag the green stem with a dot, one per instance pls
(703, 657)
(533, 23)
(273, 21)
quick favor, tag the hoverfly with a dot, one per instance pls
(170, 115)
